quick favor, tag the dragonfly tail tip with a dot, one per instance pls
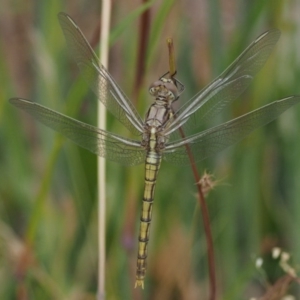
(140, 283)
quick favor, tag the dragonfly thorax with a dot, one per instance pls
(158, 115)
(164, 90)
(156, 119)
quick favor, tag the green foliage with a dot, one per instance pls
(48, 186)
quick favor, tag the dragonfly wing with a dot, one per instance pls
(225, 88)
(213, 140)
(100, 81)
(100, 142)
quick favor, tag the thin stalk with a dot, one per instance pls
(202, 202)
(142, 50)
(172, 64)
(206, 225)
(131, 207)
(104, 47)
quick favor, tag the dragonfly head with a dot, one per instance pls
(165, 89)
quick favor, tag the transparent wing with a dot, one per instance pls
(211, 141)
(100, 142)
(225, 88)
(100, 81)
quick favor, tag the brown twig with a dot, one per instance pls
(202, 202)
(143, 44)
(206, 224)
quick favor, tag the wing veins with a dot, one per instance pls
(99, 79)
(213, 140)
(103, 143)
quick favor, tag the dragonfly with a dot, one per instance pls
(159, 135)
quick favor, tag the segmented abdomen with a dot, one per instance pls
(152, 166)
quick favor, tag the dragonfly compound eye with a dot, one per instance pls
(164, 88)
(172, 90)
(155, 87)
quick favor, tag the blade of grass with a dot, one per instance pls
(117, 31)
(77, 93)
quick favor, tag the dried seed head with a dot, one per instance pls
(207, 183)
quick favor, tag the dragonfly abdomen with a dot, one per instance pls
(152, 166)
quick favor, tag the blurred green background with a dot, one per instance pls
(48, 185)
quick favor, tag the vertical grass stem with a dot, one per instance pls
(104, 48)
